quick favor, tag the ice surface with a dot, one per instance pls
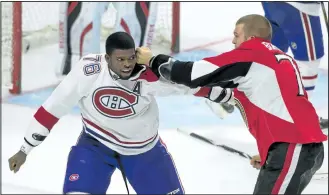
(203, 168)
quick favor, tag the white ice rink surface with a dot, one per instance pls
(203, 168)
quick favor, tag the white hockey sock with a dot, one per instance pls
(309, 73)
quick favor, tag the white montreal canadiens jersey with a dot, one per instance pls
(121, 114)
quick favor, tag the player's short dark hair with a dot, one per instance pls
(119, 40)
(256, 25)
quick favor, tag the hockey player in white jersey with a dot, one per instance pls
(120, 122)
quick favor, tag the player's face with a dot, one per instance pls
(122, 62)
(239, 36)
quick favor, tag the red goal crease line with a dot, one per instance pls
(221, 41)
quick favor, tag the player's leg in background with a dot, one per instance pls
(305, 39)
(86, 169)
(304, 35)
(278, 37)
(289, 168)
(153, 172)
(79, 32)
(307, 47)
(137, 19)
(306, 42)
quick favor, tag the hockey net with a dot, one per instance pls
(29, 25)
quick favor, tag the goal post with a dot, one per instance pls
(17, 48)
(11, 58)
(175, 43)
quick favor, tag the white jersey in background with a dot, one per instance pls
(121, 114)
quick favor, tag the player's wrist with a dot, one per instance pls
(158, 60)
(26, 148)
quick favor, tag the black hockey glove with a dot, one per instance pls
(161, 65)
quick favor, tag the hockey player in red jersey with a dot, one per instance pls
(271, 97)
(120, 122)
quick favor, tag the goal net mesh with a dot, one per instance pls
(40, 27)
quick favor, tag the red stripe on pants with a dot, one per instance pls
(309, 36)
(285, 169)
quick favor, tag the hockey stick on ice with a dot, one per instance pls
(209, 141)
(319, 176)
(325, 15)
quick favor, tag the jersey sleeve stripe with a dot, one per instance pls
(45, 118)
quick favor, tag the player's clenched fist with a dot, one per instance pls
(144, 55)
(255, 161)
(16, 161)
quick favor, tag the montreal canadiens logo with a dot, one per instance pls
(74, 177)
(114, 102)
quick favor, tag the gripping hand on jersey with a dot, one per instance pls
(144, 55)
(16, 161)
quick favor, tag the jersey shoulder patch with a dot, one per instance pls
(91, 69)
(93, 66)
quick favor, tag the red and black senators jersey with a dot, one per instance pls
(268, 90)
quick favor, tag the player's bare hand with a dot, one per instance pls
(255, 162)
(144, 55)
(16, 161)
